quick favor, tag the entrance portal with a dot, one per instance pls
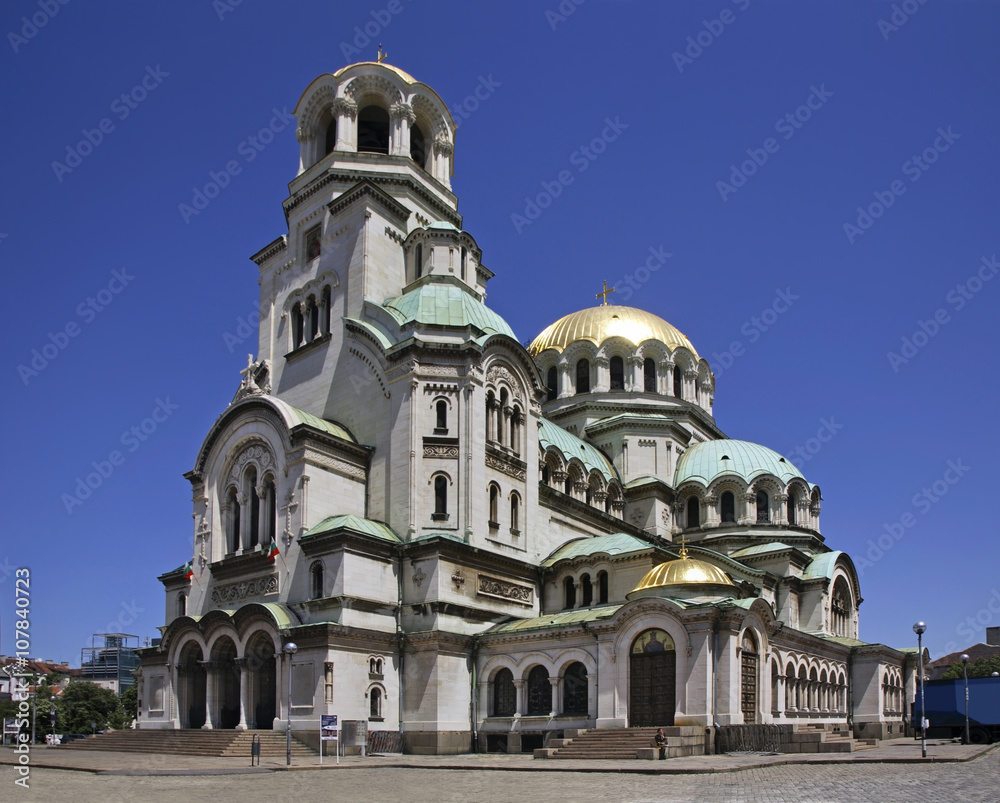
(191, 682)
(227, 684)
(261, 705)
(652, 680)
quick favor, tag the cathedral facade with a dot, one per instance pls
(475, 545)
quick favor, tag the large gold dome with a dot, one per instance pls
(685, 571)
(598, 324)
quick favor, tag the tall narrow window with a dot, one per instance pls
(504, 694)
(588, 591)
(418, 261)
(502, 417)
(326, 310)
(270, 511)
(373, 130)
(465, 258)
(693, 511)
(440, 498)
(254, 508)
(515, 429)
(678, 383)
(313, 319)
(792, 504)
(298, 326)
(233, 503)
(602, 588)
(313, 243)
(551, 383)
(763, 507)
(539, 692)
(331, 136)
(617, 373)
(575, 690)
(490, 402)
(418, 151)
(583, 376)
(515, 514)
(441, 415)
(182, 604)
(569, 588)
(316, 580)
(728, 507)
(649, 375)
(494, 506)
(375, 703)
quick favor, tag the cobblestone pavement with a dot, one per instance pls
(975, 781)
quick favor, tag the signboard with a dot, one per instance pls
(328, 732)
(11, 725)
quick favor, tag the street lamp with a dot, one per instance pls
(52, 712)
(920, 628)
(290, 648)
(965, 675)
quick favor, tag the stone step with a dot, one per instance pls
(216, 743)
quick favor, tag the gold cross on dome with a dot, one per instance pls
(684, 549)
(381, 56)
(605, 293)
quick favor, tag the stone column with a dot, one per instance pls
(241, 664)
(401, 117)
(602, 375)
(555, 684)
(519, 697)
(346, 112)
(563, 384)
(442, 151)
(665, 378)
(210, 684)
(242, 540)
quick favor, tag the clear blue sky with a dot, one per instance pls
(154, 338)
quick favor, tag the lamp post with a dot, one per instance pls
(920, 628)
(290, 648)
(965, 675)
(52, 713)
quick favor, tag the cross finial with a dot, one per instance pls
(684, 549)
(604, 295)
(381, 56)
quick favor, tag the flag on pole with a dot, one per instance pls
(273, 551)
(188, 571)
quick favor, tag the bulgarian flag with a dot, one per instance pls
(188, 571)
(273, 551)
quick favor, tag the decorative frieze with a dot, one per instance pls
(507, 591)
(444, 451)
(245, 590)
(510, 467)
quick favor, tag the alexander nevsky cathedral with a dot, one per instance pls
(477, 546)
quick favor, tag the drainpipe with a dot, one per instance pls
(473, 691)
(597, 671)
(850, 691)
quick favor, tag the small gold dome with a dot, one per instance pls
(684, 571)
(597, 324)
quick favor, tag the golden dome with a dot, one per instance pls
(598, 324)
(685, 571)
(401, 73)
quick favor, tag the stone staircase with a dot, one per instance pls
(620, 744)
(820, 738)
(212, 743)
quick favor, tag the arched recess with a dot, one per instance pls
(226, 705)
(652, 679)
(504, 694)
(191, 681)
(749, 676)
(262, 679)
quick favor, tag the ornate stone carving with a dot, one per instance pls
(509, 468)
(447, 452)
(245, 589)
(418, 577)
(344, 106)
(502, 589)
(256, 453)
(458, 579)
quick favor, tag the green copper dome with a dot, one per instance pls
(704, 462)
(437, 301)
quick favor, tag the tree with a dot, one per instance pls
(982, 668)
(83, 703)
(128, 705)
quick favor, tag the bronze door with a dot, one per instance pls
(653, 679)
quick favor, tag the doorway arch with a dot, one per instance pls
(652, 680)
(226, 713)
(192, 683)
(261, 680)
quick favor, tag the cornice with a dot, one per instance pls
(369, 189)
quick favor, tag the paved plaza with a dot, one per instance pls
(894, 773)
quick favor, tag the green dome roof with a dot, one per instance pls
(439, 302)
(704, 462)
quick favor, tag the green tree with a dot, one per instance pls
(128, 705)
(982, 668)
(83, 703)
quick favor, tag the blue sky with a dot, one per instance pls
(740, 138)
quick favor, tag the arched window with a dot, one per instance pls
(545, 474)
(587, 591)
(539, 692)
(504, 694)
(298, 326)
(693, 512)
(552, 384)
(494, 506)
(728, 507)
(617, 373)
(840, 609)
(501, 416)
(464, 262)
(251, 479)
(313, 319)
(763, 507)
(440, 498)
(441, 415)
(515, 429)
(649, 375)
(568, 485)
(793, 501)
(569, 587)
(375, 703)
(182, 604)
(575, 690)
(326, 310)
(270, 511)
(602, 588)
(583, 376)
(418, 261)
(373, 130)
(331, 137)
(316, 580)
(490, 401)
(678, 383)
(233, 503)
(515, 514)
(418, 150)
